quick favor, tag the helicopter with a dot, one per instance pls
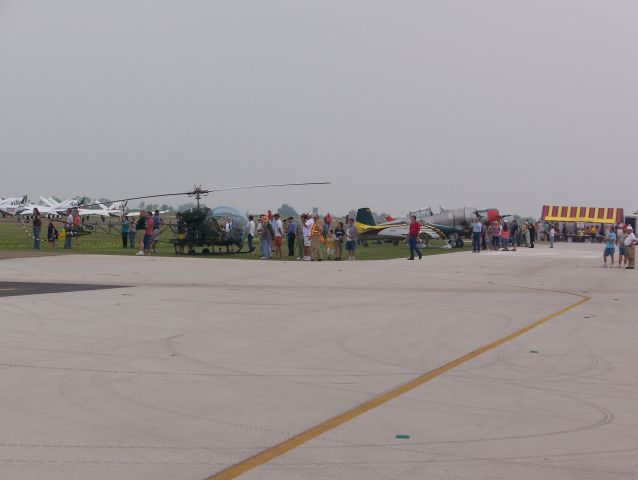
(204, 228)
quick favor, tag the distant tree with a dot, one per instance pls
(104, 200)
(286, 211)
(141, 204)
(166, 207)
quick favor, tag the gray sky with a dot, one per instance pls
(402, 104)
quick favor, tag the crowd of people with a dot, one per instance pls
(305, 237)
(503, 235)
(309, 236)
(623, 237)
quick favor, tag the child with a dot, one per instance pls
(330, 244)
(52, 235)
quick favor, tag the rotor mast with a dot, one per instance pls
(198, 192)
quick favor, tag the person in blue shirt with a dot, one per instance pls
(610, 246)
(291, 230)
(124, 230)
(477, 228)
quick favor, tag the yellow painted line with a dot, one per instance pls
(7, 289)
(287, 445)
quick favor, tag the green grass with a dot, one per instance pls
(15, 237)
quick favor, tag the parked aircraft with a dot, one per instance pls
(13, 205)
(460, 219)
(397, 230)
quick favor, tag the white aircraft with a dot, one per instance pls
(13, 206)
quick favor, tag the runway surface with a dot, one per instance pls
(461, 366)
(11, 289)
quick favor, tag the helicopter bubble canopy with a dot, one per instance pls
(232, 216)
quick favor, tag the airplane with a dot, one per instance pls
(459, 219)
(397, 230)
(13, 205)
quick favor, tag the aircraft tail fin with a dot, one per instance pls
(364, 216)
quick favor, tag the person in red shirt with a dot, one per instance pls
(413, 238)
(148, 233)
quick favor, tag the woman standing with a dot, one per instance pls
(37, 227)
(316, 240)
(505, 237)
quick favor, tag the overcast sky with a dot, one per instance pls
(402, 104)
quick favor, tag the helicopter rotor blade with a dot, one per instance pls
(135, 198)
(200, 191)
(265, 186)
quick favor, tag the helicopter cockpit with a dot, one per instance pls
(232, 222)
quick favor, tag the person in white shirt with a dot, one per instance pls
(630, 247)
(307, 223)
(552, 234)
(251, 234)
(68, 229)
(278, 227)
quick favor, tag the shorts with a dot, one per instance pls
(156, 234)
(609, 252)
(621, 251)
(307, 241)
(278, 241)
(330, 251)
(351, 245)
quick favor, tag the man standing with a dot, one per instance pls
(620, 241)
(68, 226)
(124, 226)
(610, 246)
(413, 238)
(630, 248)
(307, 235)
(278, 228)
(477, 228)
(251, 233)
(351, 238)
(552, 235)
(514, 231)
(532, 234)
(291, 230)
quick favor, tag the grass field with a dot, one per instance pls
(16, 237)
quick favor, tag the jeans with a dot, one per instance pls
(265, 247)
(131, 238)
(412, 243)
(551, 241)
(67, 238)
(124, 239)
(36, 238)
(251, 246)
(496, 243)
(476, 241)
(291, 244)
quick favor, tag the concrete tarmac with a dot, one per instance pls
(196, 365)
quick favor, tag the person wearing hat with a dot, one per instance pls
(630, 247)
(124, 226)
